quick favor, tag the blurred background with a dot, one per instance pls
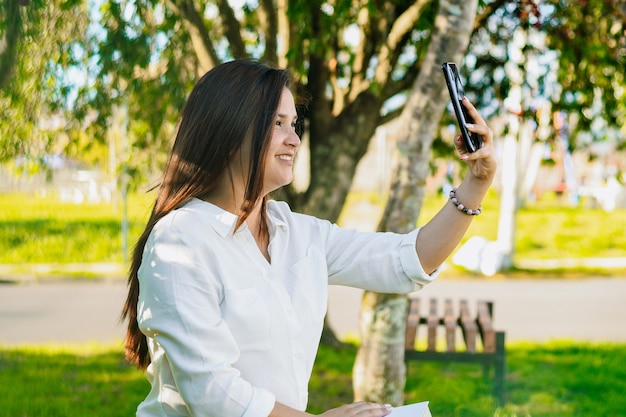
(91, 92)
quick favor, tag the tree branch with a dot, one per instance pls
(232, 29)
(486, 12)
(391, 115)
(200, 39)
(318, 75)
(283, 33)
(400, 28)
(269, 24)
(364, 51)
(152, 72)
(339, 98)
(393, 87)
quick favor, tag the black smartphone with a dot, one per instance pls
(472, 141)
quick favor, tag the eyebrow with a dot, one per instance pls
(284, 116)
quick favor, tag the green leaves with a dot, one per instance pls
(32, 99)
(74, 64)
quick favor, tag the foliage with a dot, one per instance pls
(556, 378)
(352, 60)
(36, 93)
(348, 71)
(578, 54)
(591, 41)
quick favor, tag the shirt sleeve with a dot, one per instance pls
(179, 309)
(382, 262)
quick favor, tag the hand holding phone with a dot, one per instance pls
(471, 140)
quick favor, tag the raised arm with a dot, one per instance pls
(441, 235)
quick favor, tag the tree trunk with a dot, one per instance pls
(511, 162)
(334, 159)
(9, 39)
(379, 371)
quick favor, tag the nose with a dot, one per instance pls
(293, 139)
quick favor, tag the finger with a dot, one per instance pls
(460, 147)
(484, 155)
(375, 410)
(472, 111)
(357, 404)
(365, 409)
(482, 130)
(458, 144)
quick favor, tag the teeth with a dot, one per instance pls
(285, 157)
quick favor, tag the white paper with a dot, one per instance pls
(411, 410)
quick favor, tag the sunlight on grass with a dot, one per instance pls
(46, 231)
(68, 380)
(36, 230)
(547, 229)
(543, 380)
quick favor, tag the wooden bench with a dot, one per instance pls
(473, 329)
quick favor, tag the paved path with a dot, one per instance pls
(591, 309)
(61, 311)
(538, 310)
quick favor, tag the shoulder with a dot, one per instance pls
(193, 220)
(180, 218)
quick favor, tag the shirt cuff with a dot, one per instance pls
(411, 262)
(261, 404)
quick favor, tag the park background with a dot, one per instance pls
(82, 142)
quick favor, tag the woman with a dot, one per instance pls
(227, 289)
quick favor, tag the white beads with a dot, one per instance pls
(461, 207)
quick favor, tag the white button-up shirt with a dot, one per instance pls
(230, 333)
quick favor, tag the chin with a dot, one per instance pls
(278, 186)
(284, 184)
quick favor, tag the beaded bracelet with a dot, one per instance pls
(461, 207)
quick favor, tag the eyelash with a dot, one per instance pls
(280, 124)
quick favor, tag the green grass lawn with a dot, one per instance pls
(547, 229)
(554, 379)
(35, 230)
(543, 380)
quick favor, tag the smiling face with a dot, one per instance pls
(240, 187)
(283, 146)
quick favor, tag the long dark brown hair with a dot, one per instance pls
(231, 102)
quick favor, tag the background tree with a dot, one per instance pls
(379, 370)
(10, 30)
(590, 40)
(536, 59)
(348, 58)
(39, 40)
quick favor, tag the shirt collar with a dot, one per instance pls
(224, 221)
(273, 215)
(221, 220)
